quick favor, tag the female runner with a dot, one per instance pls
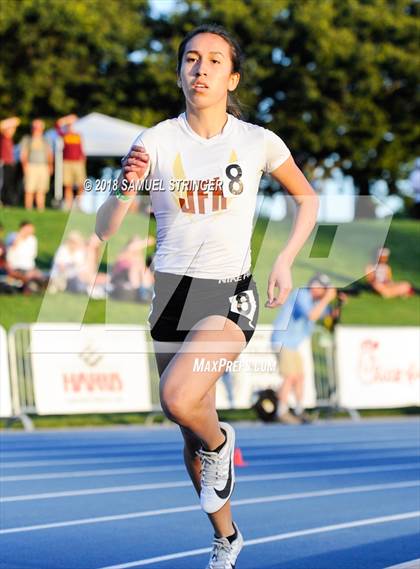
(207, 164)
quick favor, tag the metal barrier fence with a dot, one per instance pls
(22, 384)
(21, 380)
(324, 369)
(326, 383)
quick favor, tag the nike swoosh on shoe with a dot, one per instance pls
(224, 493)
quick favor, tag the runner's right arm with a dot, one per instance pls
(111, 213)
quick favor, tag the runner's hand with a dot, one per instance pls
(281, 278)
(135, 164)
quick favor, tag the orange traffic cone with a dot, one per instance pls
(238, 459)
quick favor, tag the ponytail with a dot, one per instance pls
(234, 107)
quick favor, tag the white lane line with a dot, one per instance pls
(71, 461)
(95, 491)
(89, 473)
(280, 443)
(271, 538)
(413, 564)
(243, 502)
(314, 456)
(138, 470)
(187, 483)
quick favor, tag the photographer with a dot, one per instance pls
(294, 323)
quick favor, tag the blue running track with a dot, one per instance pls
(336, 495)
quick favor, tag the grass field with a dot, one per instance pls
(344, 259)
(345, 263)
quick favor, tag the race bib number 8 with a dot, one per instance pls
(232, 181)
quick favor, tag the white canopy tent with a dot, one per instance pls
(102, 135)
(106, 136)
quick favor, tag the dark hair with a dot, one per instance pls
(25, 222)
(233, 105)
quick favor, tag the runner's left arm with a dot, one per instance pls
(293, 180)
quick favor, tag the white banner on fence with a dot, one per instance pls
(256, 369)
(89, 369)
(5, 393)
(378, 367)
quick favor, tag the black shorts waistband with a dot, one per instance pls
(186, 279)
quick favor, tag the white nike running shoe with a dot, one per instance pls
(224, 554)
(217, 473)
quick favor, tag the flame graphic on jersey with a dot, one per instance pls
(180, 193)
(179, 174)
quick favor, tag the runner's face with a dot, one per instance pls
(207, 60)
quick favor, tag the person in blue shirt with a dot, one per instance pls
(294, 323)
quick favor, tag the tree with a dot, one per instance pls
(336, 79)
(60, 57)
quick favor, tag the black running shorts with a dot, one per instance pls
(180, 302)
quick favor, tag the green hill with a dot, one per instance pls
(344, 258)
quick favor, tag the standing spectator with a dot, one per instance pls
(74, 159)
(294, 323)
(21, 255)
(37, 163)
(8, 192)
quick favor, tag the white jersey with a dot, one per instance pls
(203, 193)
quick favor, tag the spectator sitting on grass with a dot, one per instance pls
(69, 264)
(20, 257)
(129, 267)
(5, 286)
(74, 266)
(379, 276)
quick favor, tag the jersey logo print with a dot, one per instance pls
(206, 195)
(200, 196)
